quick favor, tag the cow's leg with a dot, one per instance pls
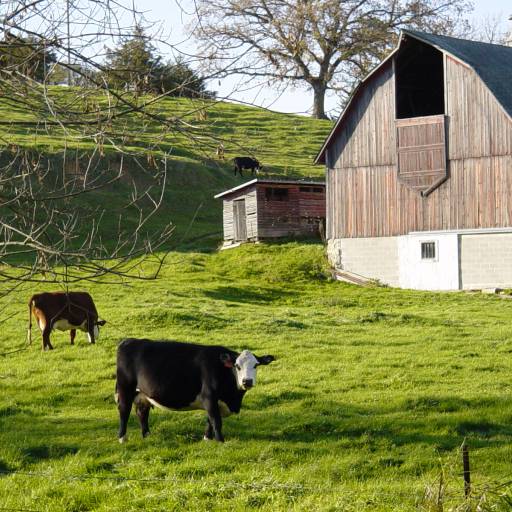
(142, 407)
(46, 338)
(90, 329)
(72, 334)
(214, 419)
(124, 396)
(208, 433)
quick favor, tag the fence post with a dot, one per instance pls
(466, 470)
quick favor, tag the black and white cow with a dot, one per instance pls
(246, 162)
(182, 376)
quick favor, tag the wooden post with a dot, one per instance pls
(466, 470)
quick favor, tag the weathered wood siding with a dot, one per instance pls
(364, 196)
(369, 202)
(227, 215)
(477, 125)
(293, 217)
(251, 213)
(368, 136)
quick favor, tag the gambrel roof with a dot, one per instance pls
(491, 62)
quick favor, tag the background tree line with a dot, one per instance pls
(134, 65)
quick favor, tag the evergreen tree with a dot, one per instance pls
(134, 65)
(30, 57)
(179, 79)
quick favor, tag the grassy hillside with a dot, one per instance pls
(285, 144)
(371, 395)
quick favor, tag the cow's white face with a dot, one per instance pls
(245, 368)
(97, 328)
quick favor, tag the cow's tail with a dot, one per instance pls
(29, 332)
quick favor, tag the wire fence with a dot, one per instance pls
(456, 487)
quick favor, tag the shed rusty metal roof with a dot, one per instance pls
(270, 182)
(491, 62)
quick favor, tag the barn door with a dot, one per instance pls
(421, 148)
(239, 220)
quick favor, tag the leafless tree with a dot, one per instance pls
(60, 146)
(322, 44)
(489, 29)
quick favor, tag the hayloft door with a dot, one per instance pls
(239, 220)
(421, 145)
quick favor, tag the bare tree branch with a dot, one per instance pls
(325, 44)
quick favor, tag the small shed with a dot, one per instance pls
(268, 209)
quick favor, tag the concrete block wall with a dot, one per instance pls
(375, 258)
(486, 260)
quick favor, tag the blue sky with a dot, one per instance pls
(172, 19)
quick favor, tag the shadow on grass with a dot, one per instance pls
(290, 417)
(441, 423)
(38, 453)
(247, 295)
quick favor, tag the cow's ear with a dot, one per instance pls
(226, 360)
(265, 359)
(101, 322)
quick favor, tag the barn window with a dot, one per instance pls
(305, 189)
(428, 251)
(276, 194)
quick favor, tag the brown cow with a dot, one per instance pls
(65, 311)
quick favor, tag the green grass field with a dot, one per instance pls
(372, 393)
(371, 396)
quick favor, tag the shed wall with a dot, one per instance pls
(292, 217)
(251, 211)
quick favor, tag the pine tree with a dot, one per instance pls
(179, 79)
(31, 57)
(132, 66)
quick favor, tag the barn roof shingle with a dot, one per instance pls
(491, 62)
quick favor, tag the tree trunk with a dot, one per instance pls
(319, 90)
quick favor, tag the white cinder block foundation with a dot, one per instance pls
(375, 258)
(464, 260)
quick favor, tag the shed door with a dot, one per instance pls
(239, 220)
(421, 152)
